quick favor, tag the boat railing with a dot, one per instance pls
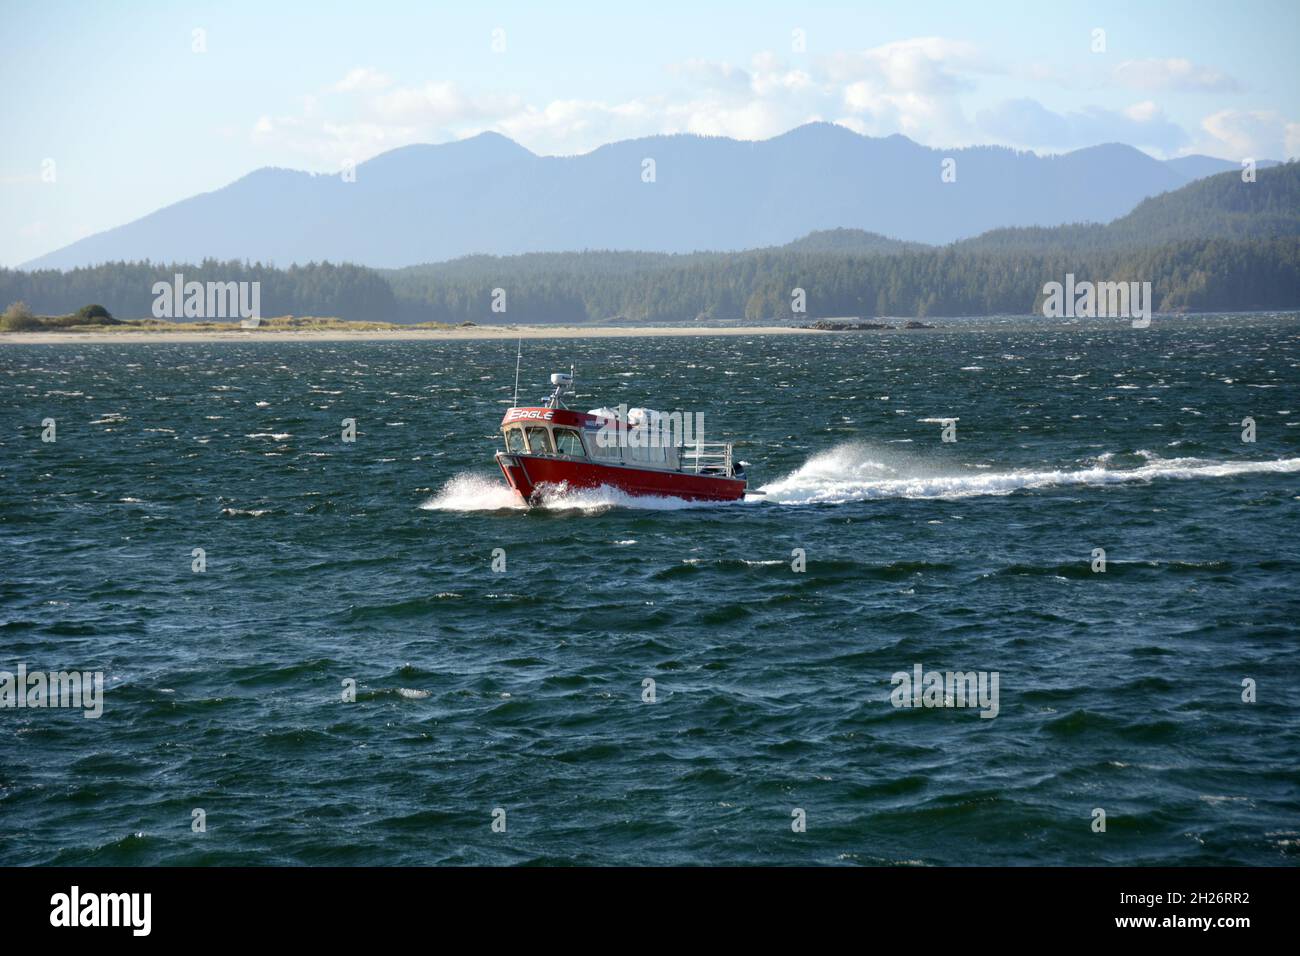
(707, 455)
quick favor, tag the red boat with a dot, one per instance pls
(549, 446)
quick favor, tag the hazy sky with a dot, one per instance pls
(112, 101)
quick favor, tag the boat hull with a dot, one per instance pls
(528, 473)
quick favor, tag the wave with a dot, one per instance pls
(855, 472)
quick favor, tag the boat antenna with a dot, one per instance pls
(518, 355)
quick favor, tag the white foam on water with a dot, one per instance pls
(563, 498)
(856, 472)
(471, 492)
(477, 492)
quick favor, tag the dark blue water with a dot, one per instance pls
(523, 690)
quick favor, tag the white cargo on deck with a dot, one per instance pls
(642, 417)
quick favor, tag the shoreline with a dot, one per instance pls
(395, 335)
(178, 333)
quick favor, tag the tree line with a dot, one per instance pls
(1196, 275)
(126, 288)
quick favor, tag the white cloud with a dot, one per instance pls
(1028, 123)
(438, 104)
(1046, 73)
(766, 99)
(753, 120)
(1255, 134)
(563, 122)
(1143, 112)
(1173, 74)
(362, 79)
(914, 86)
(909, 86)
(922, 65)
(711, 73)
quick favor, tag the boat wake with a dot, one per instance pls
(855, 472)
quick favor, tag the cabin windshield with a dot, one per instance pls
(515, 440)
(568, 442)
(539, 441)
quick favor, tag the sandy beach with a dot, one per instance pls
(385, 335)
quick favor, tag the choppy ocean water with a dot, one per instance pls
(524, 690)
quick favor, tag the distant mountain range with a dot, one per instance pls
(1221, 206)
(489, 195)
(1215, 244)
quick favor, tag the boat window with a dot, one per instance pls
(539, 443)
(605, 445)
(643, 452)
(569, 442)
(515, 440)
